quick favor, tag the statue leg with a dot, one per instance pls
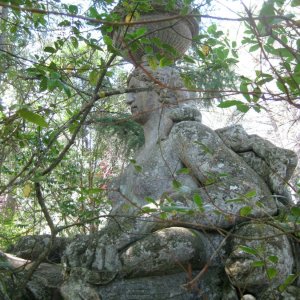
(261, 259)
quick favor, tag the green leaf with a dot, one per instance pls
(148, 209)
(67, 90)
(256, 94)
(32, 117)
(54, 75)
(265, 78)
(229, 103)
(273, 258)
(258, 263)
(248, 250)
(198, 201)
(93, 13)
(44, 84)
(295, 3)
(271, 272)
(151, 200)
(164, 62)
(73, 9)
(295, 211)
(288, 281)
(281, 86)
(244, 90)
(267, 9)
(163, 215)
(107, 40)
(242, 108)
(152, 61)
(204, 148)
(93, 77)
(245, 211)
(250, 194)
(140, 31)
(184, 171)
(92, 191)
(235, 200)
(138, 168)
(50, 50)
(254, 48)
(188, 59)
(74, 41)
(65, 23)
(176, 184)
(52, 84)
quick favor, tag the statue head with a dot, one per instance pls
(166, 90)
(166, 82)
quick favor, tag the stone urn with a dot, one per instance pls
(164, 32)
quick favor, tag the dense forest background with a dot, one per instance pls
(65, 130)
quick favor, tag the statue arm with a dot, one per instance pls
(276, 165)
(222, 175)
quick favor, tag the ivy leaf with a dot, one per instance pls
(32, 117)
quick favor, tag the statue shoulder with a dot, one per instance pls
(193, 130)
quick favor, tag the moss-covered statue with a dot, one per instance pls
(188, 204)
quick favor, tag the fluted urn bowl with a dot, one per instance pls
(159, 34)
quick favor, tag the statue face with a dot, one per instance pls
(143, 104)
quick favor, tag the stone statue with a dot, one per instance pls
(193, 216)
(175, 206)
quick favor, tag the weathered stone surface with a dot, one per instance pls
(44, 285)
(275, 165)
(213, 286)
(31, 246)
(271, 250)
(178, 34)
(6, 280)
(163, 252)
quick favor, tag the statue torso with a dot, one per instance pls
(159, 168)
